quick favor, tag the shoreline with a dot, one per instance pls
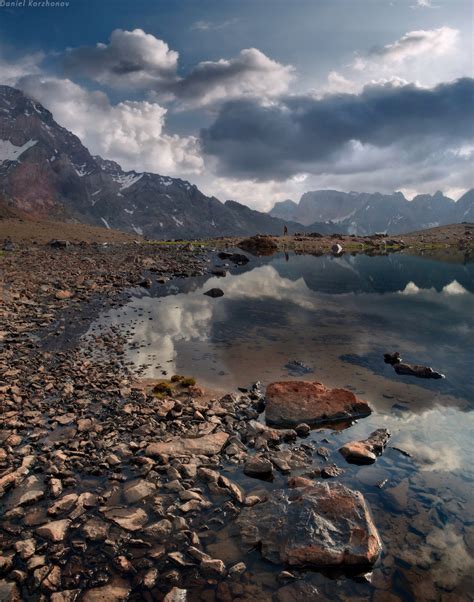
(76, 432)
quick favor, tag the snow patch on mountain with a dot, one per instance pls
(11, 152)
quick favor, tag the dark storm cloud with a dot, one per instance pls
(304, 134)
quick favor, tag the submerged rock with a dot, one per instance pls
(323, 525)
(418, 371)
(293, 402)
(366, 451)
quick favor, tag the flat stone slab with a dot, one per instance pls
(292, 402)
(207, 445)
(322, 525)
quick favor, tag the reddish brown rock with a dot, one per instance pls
(208, 445)
(366, 451)
(323, 525)
(293, 402)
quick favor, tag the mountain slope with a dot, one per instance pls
(46, 172)
(366, 213)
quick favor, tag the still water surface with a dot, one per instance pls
(338, 316)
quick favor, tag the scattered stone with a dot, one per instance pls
(176, 595)
(137, 490)
(130, 519)
(418, 371)
(117, 590)
(285, 527)
(95, 529)
(366, 451)
(293, 402)
(303, 429)
(207, 445)
(258, 467)
(54, 531)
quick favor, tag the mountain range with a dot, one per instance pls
(47, 173)
(365, 213)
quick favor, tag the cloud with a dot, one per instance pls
(413, 44)
(424, 3)
(250, 74)
(425, 56)
(341, 133)
(12, 69)
(130, 132)
(210, 26)
(137, 60)
(132, 59)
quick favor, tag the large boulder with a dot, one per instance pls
(292, 402)
(322, 525)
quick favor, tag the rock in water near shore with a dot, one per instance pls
(214, 293)
(292, 402)
(366, 451)
(323, 525)
(392, 358)
(259, 245)
(207, 445)
(236, 258)
(418, 371)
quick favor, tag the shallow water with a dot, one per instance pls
(338, 316)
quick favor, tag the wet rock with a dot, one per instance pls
(331, 472)
(117, 590)
(130, 519)
(160, 530)
(9, 591)
(392, 358)
(366, 451)
(65, 504)
(25, 548)
(215, 293)
(176, 595)
(236, 258)
(54, 531)
(258, 467)
(296, 592)
(95, 529)
(418, 371)
(70, 595)
(137, 490)
(293, 402)
(303, 429)
(212, 567)
(323, 525)
(207, 445)
(259, 245)
(297, 368)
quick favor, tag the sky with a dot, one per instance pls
(258, 100)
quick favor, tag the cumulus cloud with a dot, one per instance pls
(130, 132)
(303, 134)
(137, 60)
(132, 59)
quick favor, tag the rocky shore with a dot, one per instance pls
(112, 488)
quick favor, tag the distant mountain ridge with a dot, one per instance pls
(365, 213)
(46, 172)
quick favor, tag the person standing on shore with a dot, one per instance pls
(285, 230)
